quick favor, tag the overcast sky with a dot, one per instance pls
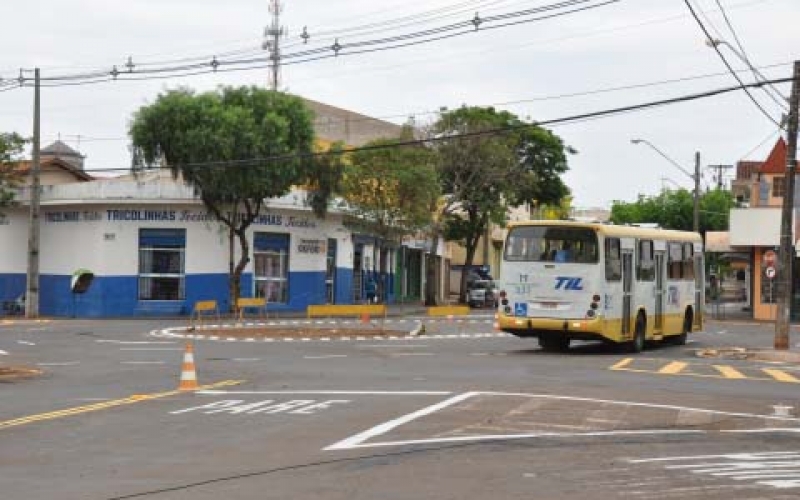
(534, 65)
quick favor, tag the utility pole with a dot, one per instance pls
(32, 290)
(696, 210)
(786, 255)
(719, 175)
(272, 40)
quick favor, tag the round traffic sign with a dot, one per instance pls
(770, 272)
(770, 257)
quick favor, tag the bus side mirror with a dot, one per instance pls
(81, 280)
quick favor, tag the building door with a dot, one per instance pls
(358, 266)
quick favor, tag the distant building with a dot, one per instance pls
(759, 187)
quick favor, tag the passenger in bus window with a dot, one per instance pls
(565, 254)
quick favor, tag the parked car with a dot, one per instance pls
(482, 293)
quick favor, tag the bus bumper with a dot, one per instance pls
(574, 328)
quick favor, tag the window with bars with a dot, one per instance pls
(162, 264)
(271, 259)
(778, 187)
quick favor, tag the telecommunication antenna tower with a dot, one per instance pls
(272, 42)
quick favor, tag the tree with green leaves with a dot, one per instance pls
(220, 144)
(673, 209)
(485, 172)
(11, 148)
(389, 189)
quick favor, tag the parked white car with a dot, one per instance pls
(482, 293)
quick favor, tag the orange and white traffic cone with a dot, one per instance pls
(188, 373)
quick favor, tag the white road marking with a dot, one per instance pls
(779, 470)
(216, 392)
(398, 354)
(645, 405)
(401, 346)
(359, 440)
(346, 445)
(736, 456)
(269, 406)
(134, 342)
(3, 353)
(326, 356)
(25, 342)
(245, 360)
(65, 363)
(151, 348)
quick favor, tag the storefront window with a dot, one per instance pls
(161, 264)
(271, 256)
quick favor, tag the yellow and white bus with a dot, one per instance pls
(563, 280)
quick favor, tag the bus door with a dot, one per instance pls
(660, 271)
(627, 247)
(699, 286)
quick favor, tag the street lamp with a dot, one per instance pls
(695, 177)
(715, 43)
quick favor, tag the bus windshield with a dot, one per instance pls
(551, 244)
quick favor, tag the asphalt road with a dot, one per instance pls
(454, 414)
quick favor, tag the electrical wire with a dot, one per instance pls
(772, 134)
(727, 64)
(572, 119)
(781, 100)
(386, 43)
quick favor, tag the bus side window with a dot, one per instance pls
(613, 259)
(674, 261)
(645, 265)
(688, 261)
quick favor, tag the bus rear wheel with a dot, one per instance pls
(687, 327)
(554, 344)
(637, 344)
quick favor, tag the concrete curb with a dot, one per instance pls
(743, 353)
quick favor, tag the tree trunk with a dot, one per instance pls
(236, 278)
(232, 287)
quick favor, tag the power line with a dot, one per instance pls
(420, 142)
(727, 64)
(604, 90)
(761, 143)
(131, 71)
(781, 100)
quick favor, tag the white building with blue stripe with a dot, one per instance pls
(155, 250)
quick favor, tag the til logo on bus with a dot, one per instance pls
(567, 283)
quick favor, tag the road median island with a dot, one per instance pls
(258, 331)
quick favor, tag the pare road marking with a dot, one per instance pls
(104, 405)
(267, 406)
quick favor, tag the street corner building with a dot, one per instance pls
(154, 249)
